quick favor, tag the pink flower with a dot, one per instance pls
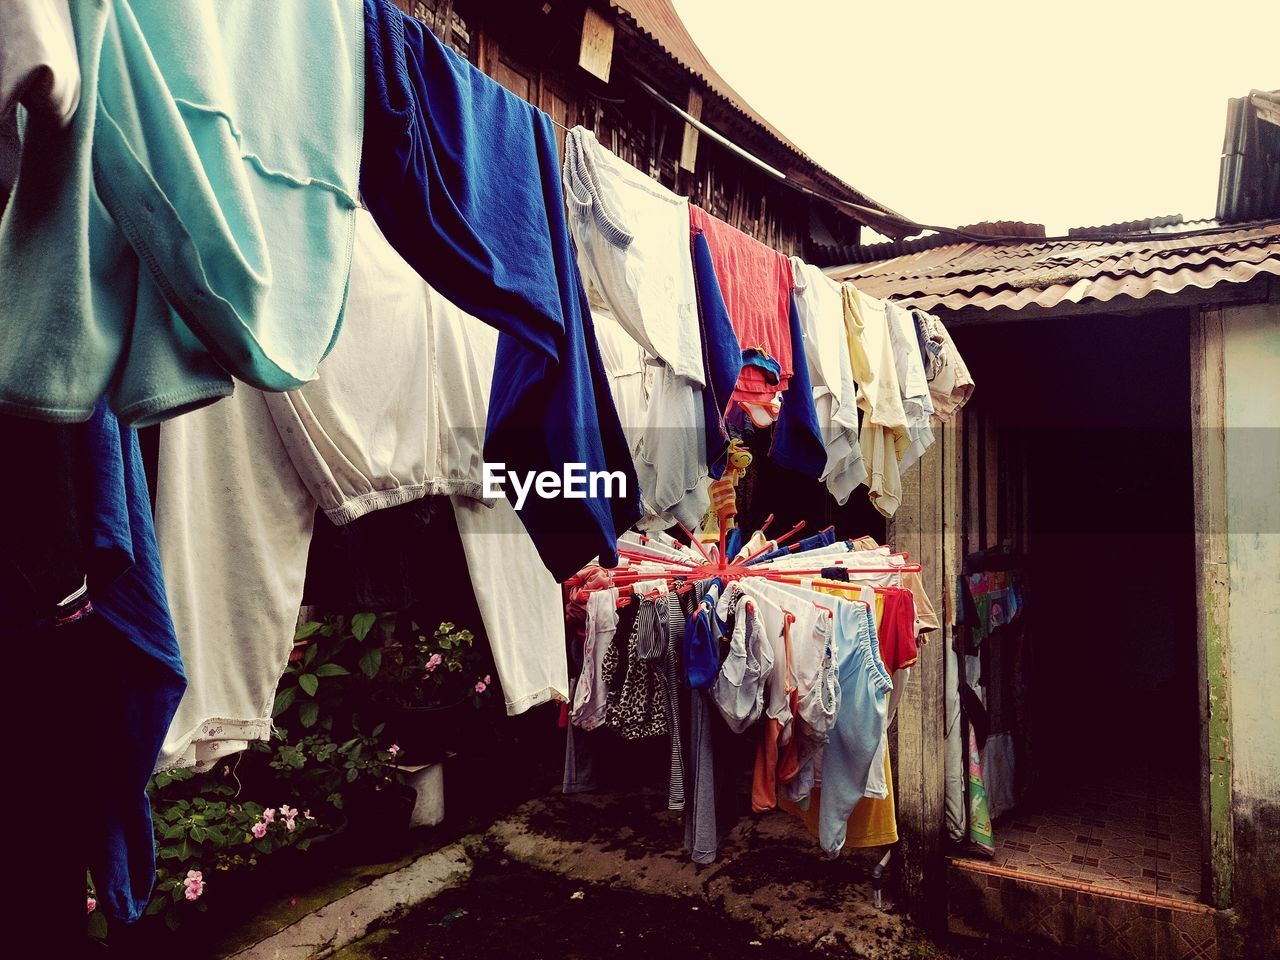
(434, 661)
(486, 679)
(306, 815)
(480, 686)
(194, 884)
(289, 813)
(393, 749)
(93, 904)
(259, 830)
(269, 815)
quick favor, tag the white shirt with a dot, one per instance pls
(632, 238)
(835, 395)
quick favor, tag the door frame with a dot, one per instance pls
(1213, 641)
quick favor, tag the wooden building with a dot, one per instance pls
(623, 69)
(1123, 438)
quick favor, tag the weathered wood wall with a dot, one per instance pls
(536, 57)
(928, 527)
(1208, 434)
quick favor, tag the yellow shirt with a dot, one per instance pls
(883, 437)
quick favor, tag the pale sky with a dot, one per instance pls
(1067, 114)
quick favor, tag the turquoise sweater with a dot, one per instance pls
(194, 222)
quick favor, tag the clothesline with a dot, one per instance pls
(810, 668)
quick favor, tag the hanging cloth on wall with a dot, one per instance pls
(150, 251)
(916, 403)
(950, 383)
(442, 142)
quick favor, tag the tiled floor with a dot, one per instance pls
(1138, 834)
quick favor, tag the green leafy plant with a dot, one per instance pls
(333, 661)
(203, 832)
(437, 670)
(318, 765)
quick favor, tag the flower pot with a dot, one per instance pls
(426, 734)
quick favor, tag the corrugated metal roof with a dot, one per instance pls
(658, 20)
(978, 277)
(1249, 174)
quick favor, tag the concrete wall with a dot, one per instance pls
(1252, 404)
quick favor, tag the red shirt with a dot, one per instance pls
(898, 629)
(756, 284)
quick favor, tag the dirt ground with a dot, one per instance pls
(605, 875)
(509, 909)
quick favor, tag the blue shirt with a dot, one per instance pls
(464, 181)
(797, 440)
(721, 354)
(138, 675)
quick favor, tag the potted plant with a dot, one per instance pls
(434, 684)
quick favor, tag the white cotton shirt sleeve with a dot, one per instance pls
(38, 63)
(519, 599)
(389, 419)
(233, 523)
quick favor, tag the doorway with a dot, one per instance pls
(1086, 460)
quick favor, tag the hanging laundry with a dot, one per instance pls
(519, 602)
(141, 681)
(797, 441)
(38, 65)
(84, 580)
(625, 366)
(442, 143)
(776, 754)
(590, 698)
(637, 703)
(151, 249)
(950, 383)
(739, 687)
(755, 282)
(629, 232)
(398, 410)
(702, 641)
(884, 435)
(916, 403)
(835, 395)
(855, 737)
(721, 352)
(233, 521)
(398, 413)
